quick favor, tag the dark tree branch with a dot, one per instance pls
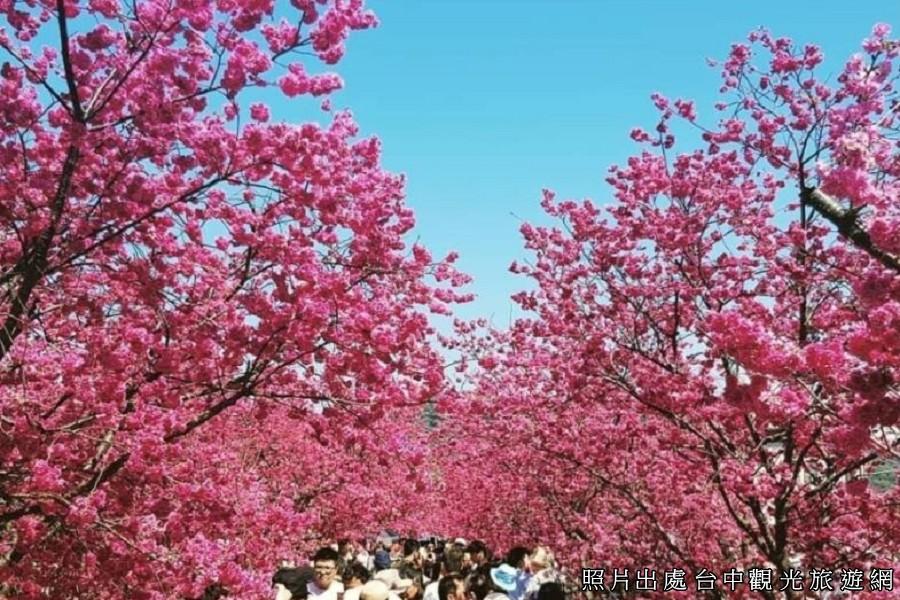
(826, 485)
(77, 112)
(33, 264)
(845, 219)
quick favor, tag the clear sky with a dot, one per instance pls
(482, 103)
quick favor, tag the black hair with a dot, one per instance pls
(447, 585)
(551, 591)
(410, 546)
(434, 571)
(355, 571)
(478, 546)
(406, 571)
(214, 592)
(293, 580)
(326, 553)
(420, 588)
(516, 555)
(479, 584)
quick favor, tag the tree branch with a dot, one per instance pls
(33, 263)
(845, 219)
(77, 111)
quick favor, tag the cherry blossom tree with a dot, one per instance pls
(707, 375)
(205, 314)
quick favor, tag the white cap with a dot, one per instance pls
(387, 576)
(374, 590)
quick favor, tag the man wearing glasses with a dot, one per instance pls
(325, 584)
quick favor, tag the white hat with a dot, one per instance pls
(374, 590)
(387, 576)
(504, 577)
(461, 541)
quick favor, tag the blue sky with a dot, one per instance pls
(482, 103)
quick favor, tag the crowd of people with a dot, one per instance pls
(413, 569)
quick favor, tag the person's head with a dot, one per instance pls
(541, 558)
(354, 575)
(410, 547)
(325, 566)
(452, 587)
(453, 560)
(479, 552)
(503, 578)
(382, 559)
(551, 591)
(345, 547)
(466, 562)
(374, 590)
(289, 584)
(516, 557)
(410, 589)
(416, 591)
(478, 585)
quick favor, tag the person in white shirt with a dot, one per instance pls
(363, 557)
(324, 585)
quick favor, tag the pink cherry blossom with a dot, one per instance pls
(197, 301)
(706, 372)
